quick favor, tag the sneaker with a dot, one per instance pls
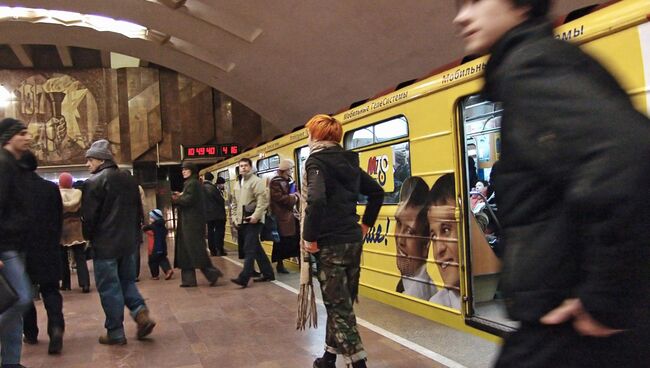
(106, 340)
(145, 323)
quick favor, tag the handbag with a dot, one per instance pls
(270, 230)
(8, 295)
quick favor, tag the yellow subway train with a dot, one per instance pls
(437, 137)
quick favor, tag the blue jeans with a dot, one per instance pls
(115, 281)
(11, 321)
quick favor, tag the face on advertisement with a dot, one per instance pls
(482, 23)
(411, 238)
(443, 231)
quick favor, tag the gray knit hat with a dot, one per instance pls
(8, 128)
(100, 150)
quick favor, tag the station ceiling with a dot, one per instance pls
(285, 59)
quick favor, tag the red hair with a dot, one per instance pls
(324, 128)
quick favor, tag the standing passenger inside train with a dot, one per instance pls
(332, 233)
(572, 180)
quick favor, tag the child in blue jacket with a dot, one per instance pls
(157, 234)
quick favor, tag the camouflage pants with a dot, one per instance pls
(338, 273)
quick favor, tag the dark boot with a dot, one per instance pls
(280, 268)
(328, 360)
(56, 341)
(359, 364)
(106, 340)
(145, 323)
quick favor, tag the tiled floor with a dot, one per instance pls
(223, 326)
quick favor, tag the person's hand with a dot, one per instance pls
(310, 247)
(364, 230)
(1, 264)
(583, 322)
(252, 220)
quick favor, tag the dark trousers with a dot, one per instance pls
(83, 276)
(53, 303)
(536, 345)
(157, 261)
(216, 233)
(253, 252)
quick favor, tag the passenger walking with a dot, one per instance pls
(573, 175)
(251, 203)
(191, 252)
(14, 142)
(215, 214)
(331, 232)
(283, 200)
(111, 211)
(72, 237)
(157, 233)
(42, 247)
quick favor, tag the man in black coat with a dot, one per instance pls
(215, 214)
(573, 177)
(111, 212)
(43, 261)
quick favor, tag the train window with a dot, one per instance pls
(266, 166)
(301, 154)
(388, 130)
(390, 166)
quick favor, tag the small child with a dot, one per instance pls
(157, 247)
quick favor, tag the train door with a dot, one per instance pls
(481, 147)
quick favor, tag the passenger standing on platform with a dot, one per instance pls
(157, 232)
(215, 215)
(191, 252)
(251, 204)
(283, 200)
(332, 233)
(110, 213)
(14, 142)
(573, 176)
(72, 237)
(43, 261)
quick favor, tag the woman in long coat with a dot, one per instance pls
(190, 251)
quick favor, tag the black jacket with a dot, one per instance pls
(213, 202)
(45, 225)
(335, 182)
(573, 179)
(111, 212)
(13, 215)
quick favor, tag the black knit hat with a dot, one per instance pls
(8, 128)
(208, 176)
(221, 180)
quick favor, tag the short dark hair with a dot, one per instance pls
(221, 180)
(538, 8)
(247, 160)
(208, 176)
(442, 191)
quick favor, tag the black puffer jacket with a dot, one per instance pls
(111, 212)
(573, 179)
(13, 216)
(335, 182)
(213, 202)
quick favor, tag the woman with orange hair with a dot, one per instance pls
(331, 232)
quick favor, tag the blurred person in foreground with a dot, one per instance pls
(15, 141)
(331, 232)
(43, 260)
(111, 213)
(572, 178)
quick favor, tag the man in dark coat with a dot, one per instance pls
(111, 213)
(215, 215)
(573, 172)
(190, 250)
(14, 142)
(43, 261)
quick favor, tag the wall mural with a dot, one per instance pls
(60, 113)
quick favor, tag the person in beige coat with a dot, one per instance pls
(252, 201)
(71, 237)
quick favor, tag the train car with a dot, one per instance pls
(437, 138)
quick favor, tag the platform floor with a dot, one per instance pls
(226, 326)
